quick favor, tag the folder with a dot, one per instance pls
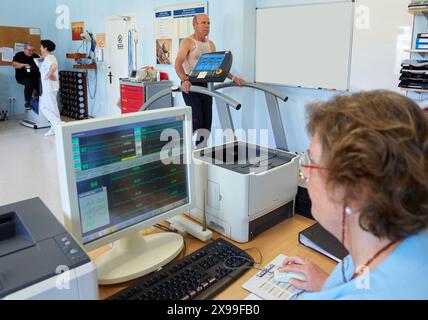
(421, 46)
(405, 70)
(406, 76)
(415, 64)
(320, 240)
(421, 40)
(410, 84)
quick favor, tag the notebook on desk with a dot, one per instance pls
(320, 240)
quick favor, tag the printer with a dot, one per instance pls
(243, 189)
(39, 259)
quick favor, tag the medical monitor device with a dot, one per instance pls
(120, 175)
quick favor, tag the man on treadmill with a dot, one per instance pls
(27, 73)
(191, 49)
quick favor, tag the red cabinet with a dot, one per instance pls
(132, 98)
(135, 94)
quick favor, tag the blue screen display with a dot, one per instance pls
(210, 62)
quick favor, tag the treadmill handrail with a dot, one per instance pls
(257, 86)
(229, 101)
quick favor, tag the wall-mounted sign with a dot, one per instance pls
(120, 45)
(100, 39)
(172, 25)
(77, 29)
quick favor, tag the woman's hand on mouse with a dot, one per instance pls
(315, 276)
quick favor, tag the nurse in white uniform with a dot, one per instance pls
(48, 65)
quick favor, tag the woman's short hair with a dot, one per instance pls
(49, 45)
(377, 140)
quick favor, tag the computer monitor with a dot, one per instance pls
(121, 174)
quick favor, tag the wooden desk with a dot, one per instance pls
(283, 238)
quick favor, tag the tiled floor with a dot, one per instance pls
(28, 166)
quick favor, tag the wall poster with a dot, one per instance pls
(172, 25)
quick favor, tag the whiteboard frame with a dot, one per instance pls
(352, 26)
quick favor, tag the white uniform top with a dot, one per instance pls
(192, 59)
(49, 85)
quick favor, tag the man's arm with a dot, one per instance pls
(181, 57)
(235, 79)
(230, 76)
(18, 65)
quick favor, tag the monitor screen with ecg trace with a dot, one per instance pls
(122, 174)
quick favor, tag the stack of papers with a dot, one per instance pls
(414, 74)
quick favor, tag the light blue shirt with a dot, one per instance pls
(403, 275)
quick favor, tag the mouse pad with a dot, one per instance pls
(265, 287)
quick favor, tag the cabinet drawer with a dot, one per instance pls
(125, 88)
(129, 110)
(132, 96)
(126, 110)
(135, 104)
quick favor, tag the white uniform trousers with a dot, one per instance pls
(49, 107)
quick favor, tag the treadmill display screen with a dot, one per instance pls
(210, 62)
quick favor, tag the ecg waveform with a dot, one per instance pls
(105, 149)
(150, 138)
(140, 190)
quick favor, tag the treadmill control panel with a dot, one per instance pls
(212, 67)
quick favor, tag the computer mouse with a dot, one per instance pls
(286, 276)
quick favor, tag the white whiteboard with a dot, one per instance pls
(305, 45)
(382, 33)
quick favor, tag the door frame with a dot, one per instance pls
(133, 16)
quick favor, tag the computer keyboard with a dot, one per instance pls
(199, 276)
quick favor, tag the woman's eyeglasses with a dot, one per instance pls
(307, 164)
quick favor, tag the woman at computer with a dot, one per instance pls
(367, 174)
